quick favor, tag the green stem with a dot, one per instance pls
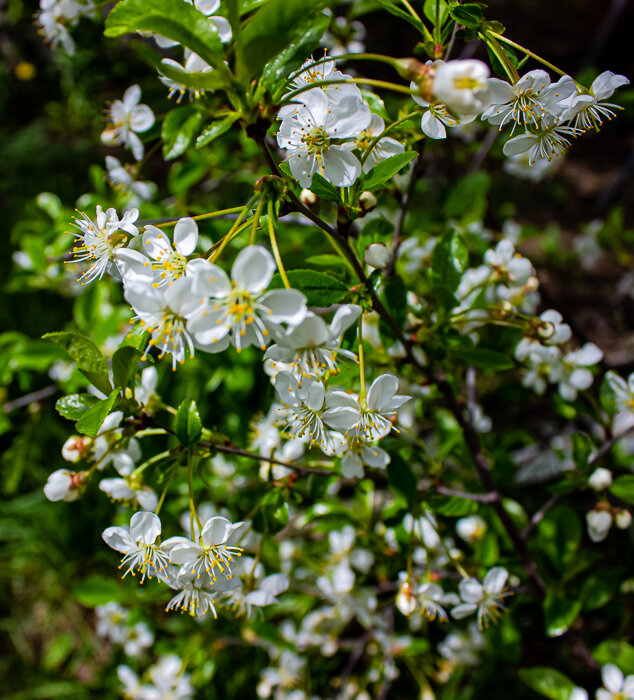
(384, 133)
(509, 68)
(526, 51)
(166, 489)
(348, 81)
(276, 250)
(362, 393)
(201, 217)
(193, 515)
(153, 460)
(416, 16)
(256, 221)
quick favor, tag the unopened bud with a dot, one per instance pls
(75, 448)
(623, 519)
(307, 198)
(405, 599)
(377, 255)
(598, 522)
(600, 479)
(471, 529)
(367, 201)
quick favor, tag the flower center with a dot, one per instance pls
(466, 83)
(317, 140)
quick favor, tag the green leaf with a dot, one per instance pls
(74, 406)
(179, 128)
(452, 506)
(326, 260)
(430, 11)
(216, 129)
(92, 420)
(559, 536)
(94, 591)
(187, 424)
(395, 8)
(375, 103)
(386, 169)
(319, 288)
(174, 19)
(496, 64)
(444, 297)
(449, 261)
(124, 364)
(485, 358)
(581, 449)
(88, 357)
(607, 395)
(272, 515)
(197, 82)
(598, 589)
(559, 613)
(306, 40)
(547, 681)
(271, 30)
(393, 294)
(469, 15)
(623, 488)
(401, 478)
(324, 189)
(468, 197)
(620, 654)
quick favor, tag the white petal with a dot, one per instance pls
(518, 144)
(382, 391)
(344, 317)
(145, 527)
(496, 578)
(432, 126)
(253, 269)
(287, 305)
(216, 530)
(342, 167)
(471, 590)
(351, 465)
(612, 678)
(155, 242)
(118, 538)
(275, 584)
(463, 610)
(208, 280)
(142, 118)
(186, 236)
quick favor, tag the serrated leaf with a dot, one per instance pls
(271, 30)
(623, 488)
(452, 506)
(87, 356)
(216, 129)
(187, 424)
(385, 170)
(179, 128)
(92, 420)
(547, 681)
(124, 364)
(401, 478)
(174, 19)
(449, 260)
(320, 289)
(74, 406)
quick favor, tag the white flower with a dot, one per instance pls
(600, 479)
(323, 71)
(207, 8)
(431, 597)
(63, 485)
(164, 313)
(253, 589)
(571, 372)
(551, 141)
(195, 595)
(137, 638)
(383, 149)
(215, 550)
(138, 545)
(463, 86)
(471, 528)
(108, 449)
(168, 680)
(122, 179)
(314, 135)
(171, 261)
(436, 117)
(617, 687)
(485, 598)
(112, 621)
(56, 16)
(194, 64)
(527, 102)
(311, 347)
(104, 241)
(521, 166)
(380, 408)
(127, 119)
(510, 268)
(377, 255)
(599, 523)
(554, 331)
(589, 109)
(356, 453)
(146, 389)
(624, 397)
(126, 489)
(240, 309)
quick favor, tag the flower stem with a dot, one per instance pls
(384, 133)
(363, 392)
(348, 81)
(166, 489)
(509, 68)
(276, 250)
(201, 217)
(256, 221)
(193, 515)
(526, 51)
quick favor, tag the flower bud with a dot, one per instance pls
(308, 198)
(63, 485)
(622, 519)
(600, 479)
(377, 255)
(599, 523)
(405, 599)
(471, 529)
(75, 448)
(367, 201)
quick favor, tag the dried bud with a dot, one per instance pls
(308, 198)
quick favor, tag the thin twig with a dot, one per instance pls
(28, 399)
(477, 497)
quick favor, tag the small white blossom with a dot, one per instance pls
(463, 86)
(63, 485)
(617, 687)
(599, 523)
(484, 598)
(127, 118)
(600, 479)
(571, 372)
